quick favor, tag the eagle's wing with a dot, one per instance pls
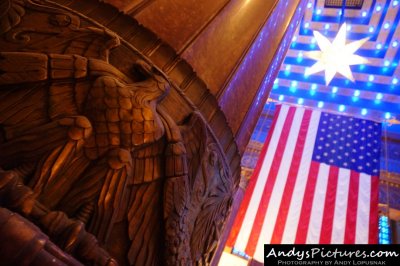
(38, 90)
(144, 214)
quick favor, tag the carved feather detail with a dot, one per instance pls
(11, 13)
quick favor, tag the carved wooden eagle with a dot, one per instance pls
(92, 141)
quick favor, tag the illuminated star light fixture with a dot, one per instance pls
(335, 57)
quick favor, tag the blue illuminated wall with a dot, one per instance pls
(375, 94)
(384, 230)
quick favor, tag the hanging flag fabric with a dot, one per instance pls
(316, 182)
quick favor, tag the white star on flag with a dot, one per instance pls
(335, 57)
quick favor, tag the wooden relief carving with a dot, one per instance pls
(211, 188)
(93, 170)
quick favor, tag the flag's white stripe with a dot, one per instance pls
(280, 182)
(251, 211)
(317, 210)
(364, 201)
(296, 203)
(339, 218)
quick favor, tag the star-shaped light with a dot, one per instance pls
(335, 57)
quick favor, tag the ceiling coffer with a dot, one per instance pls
(354, 4)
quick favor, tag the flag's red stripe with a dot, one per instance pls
(266, 196)
(329, 208)
(304, 220)
(250, 188)
(351, 214)
(373, 211)
(291, 181)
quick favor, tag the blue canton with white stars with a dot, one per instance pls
(348, 142)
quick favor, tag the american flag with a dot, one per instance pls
(316, 182)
